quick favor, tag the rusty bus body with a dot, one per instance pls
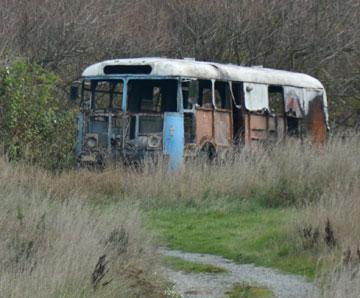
(180, 109)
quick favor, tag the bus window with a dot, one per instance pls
(107, 94)
(205, 94)
(222, 95)
(276, 100)
(117, 94)
(238, 92)
(152, 96)
(102, 95)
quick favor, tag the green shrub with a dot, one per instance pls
(35, 123)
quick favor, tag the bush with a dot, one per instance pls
(35, 123)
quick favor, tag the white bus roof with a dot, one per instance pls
(209, 70)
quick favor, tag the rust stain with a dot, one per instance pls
(317, 125)
(204, 125)
(223, 127)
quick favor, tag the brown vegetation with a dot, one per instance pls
(65, 248)
(47, 230)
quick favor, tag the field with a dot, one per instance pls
(294, 207)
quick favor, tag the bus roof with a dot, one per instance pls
(206, 70)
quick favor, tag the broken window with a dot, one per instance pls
(205, 94)
(152, 96)
(150, 124)
(294, 97)
(189, 128)
(103, 95)
(237, 93)
(222, 95)
(190, 93)
(276, 100)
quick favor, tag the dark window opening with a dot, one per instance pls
(276, 100)
(222, 95)
(127, 69)
(238, 92)
(150, 124)
(152, 96)
(185, 95)
(293, 126)
(189, 127)
(205, 94)
(132, 127)
(238, 118)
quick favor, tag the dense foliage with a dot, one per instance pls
(35, 124)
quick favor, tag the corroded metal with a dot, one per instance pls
(181, 128)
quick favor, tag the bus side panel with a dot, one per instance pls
(256, 127)
(222, 127)
(204, 126)
(174, 138)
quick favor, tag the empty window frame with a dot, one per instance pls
(106, 95)
(222, 95)
(276, 100)
(152, 96)
(237, 89)
(205, 94)
(190, 90)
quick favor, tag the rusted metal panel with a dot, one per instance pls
(222, 127)
(256, 97)
(315, 115)
(263, 128)
(317, 125)
(204, 125)
(255, 128)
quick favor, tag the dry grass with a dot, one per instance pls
(286, 174)
(343, 281)
(50, 248)
(324, 182)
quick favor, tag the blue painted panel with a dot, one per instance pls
(174, 138)
(79, 133)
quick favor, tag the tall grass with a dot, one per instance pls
(322, 181)
(53, 244)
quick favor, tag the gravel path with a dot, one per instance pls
(215, 285)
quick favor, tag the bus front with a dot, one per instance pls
(128, 117)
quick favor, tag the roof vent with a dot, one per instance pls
(127, 69)
(189, 59)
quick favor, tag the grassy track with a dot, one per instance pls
(260, 237)
(187, 266)
(246, 291)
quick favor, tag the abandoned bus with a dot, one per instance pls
(180, 109)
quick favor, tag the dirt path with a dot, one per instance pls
(215, 285)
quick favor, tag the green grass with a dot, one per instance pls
(246, 291)
(186, 266)
(260, 236)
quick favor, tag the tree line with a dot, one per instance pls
(318, 37)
